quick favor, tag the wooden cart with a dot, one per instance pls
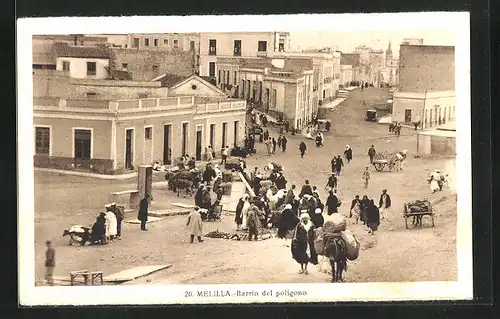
(380, 161)
(417, 216)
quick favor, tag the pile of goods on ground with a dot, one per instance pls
(418, 206)
(263, 235)
(334, 233)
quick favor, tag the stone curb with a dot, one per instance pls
(84, 174)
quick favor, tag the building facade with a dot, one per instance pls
(282, 87)
(113, 135)
(237, 44)
(426, 85)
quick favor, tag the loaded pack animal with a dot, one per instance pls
(78, 234)
(336, 251)
(183, 180)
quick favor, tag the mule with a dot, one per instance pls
(336, 252)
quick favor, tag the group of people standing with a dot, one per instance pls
(107, 226)
(369, 213)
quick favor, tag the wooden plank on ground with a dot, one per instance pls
(183, 205)
(151, 219)
(134, 273)
(169, 212)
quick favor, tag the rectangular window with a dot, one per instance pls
(165, 41)
(135, 44)
(212, 135)
(219, 78)
(82, 144)
(176, 43)
(155, 42)
(65, 66)
(211, 69)
(184, 138)
(262, 46)
(191, 45)
(146, 42)
(148, 133)
(125, 66)
(212, 47)
(227, 77)
(224, 134)
(42, 141)
(235, 76)
(91, 68)
(92, 94)
(237, 47)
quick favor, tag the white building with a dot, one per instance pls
(237, 44)
(80, 62)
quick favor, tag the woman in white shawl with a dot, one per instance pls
(244, 214)
(111, 223)
(303, 244)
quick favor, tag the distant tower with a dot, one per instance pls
(388, 54)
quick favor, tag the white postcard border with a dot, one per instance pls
(176, 294)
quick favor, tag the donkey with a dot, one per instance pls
(336, 250)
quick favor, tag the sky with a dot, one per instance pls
(348, 40)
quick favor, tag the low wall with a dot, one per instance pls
(437, 145)
(100, 166)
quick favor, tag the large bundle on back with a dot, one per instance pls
(352, 244)
(419, 206)
(334, 224)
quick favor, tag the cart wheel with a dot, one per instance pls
(406, 222)
(379, 167)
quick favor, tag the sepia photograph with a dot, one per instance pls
(166, 162)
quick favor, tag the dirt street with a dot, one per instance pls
(392, 254)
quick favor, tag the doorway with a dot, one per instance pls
(199, 142)
(167, 151)
(148, 145)
(129, 156)
(407, 116)
(83, 145)
(224, 135)
(236, 133)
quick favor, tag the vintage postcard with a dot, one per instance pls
(244, 159)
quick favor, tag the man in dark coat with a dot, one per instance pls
(287, 222)
(371, 153)
(280, 181)
(206, 200)
(302, 148)
(372, 217)
(306, 189)
(348, 153)
(338, 165)
(143, 212)
(332, 182)
(365, 204)
(334, 165)
(317, 219)
(192, 163)
(384, 204)
(283, 143)
(332, 203)
(208, 174)
(198, 197)
(355, 201)
(274, 145)
(98, 233)
(327, 126)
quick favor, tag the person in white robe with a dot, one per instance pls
(111, 223)
(244, 214)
